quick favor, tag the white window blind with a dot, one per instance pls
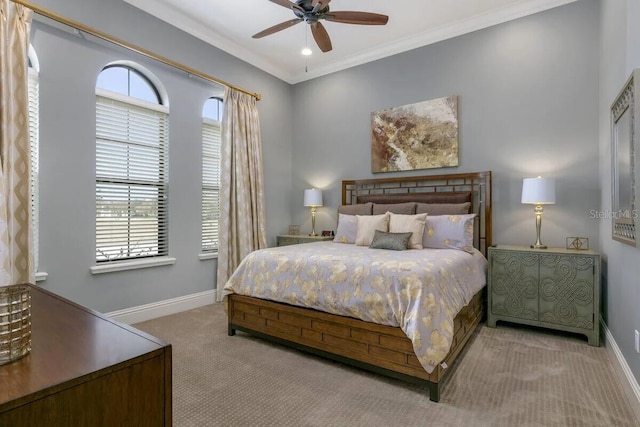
(131, 178)
(210, 184)
(34, 141)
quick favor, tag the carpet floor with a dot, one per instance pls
(505, 377)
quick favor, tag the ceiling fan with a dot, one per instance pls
(312, 11)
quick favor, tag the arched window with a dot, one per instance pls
(34, 142)
(127, 81)
(211, 116)
(131, 164)
(213, 109)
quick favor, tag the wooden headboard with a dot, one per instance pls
(402, 189)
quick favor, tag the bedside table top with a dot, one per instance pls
(305, 236)
(551, 250)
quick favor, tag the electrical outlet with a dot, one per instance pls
(637, 341)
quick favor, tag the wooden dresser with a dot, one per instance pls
(85, 369)
(553, 288)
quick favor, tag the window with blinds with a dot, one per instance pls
(210, 184)
(131, 178)
(34, 142)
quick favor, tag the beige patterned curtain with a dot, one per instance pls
(242, 209)
(16, 254)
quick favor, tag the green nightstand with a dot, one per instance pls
(552, 288)
(289, 239)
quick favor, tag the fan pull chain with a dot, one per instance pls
(306, 44)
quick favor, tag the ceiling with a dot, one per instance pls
(229, 25)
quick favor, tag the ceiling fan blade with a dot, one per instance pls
(321, 36)
(279, 27)
(361, 18)
(287, 4)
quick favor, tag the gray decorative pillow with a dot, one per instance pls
(392, 241)
(408, 208)
(359, 209)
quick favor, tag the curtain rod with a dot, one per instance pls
(142, 51)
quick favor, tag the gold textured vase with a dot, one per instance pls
(15, 322)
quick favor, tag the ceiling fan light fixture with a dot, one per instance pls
(312, 12)
(306, 51)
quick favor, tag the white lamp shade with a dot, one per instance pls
(312, 197)
(539, 191)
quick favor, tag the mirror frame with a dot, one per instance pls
(624, 117)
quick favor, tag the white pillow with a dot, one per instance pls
(449, 232)
(413, 224)
(347, 227)
(367, 226)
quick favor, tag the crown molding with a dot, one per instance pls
(180, 20)
(444, 32)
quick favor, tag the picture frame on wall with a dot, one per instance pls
(416, 136)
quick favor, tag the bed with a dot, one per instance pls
(365, 338)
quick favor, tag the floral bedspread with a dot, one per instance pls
(421, 291)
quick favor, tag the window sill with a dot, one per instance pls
(41, 276)
(131, 265)
(208, 255)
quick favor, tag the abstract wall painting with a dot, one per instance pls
(415, 136)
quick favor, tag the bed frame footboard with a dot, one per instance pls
(381, 349)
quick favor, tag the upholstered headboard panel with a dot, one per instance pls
(444, 197)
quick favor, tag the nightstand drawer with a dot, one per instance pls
(286, 240)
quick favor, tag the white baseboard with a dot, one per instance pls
(163, 308)
(629, 382)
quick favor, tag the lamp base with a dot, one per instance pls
(313, 222)
(538, 244)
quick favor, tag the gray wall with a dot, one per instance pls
(528, 105)
(620, 54)
(68, 69)
(534, 98)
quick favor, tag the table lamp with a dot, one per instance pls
(313, 199)
(539, 191)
